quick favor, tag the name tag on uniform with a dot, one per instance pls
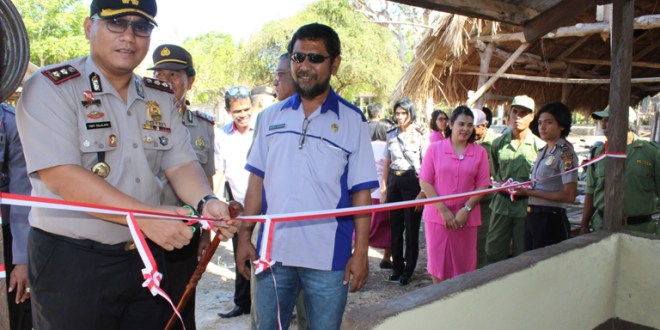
(277, 126)
(102, 124)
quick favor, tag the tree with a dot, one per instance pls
(369, 56)
(408, 24)
(214, 57)
(55, 29)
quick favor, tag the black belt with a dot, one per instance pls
(515, 197)
(88, 243)
(403, 173)
(545, 209)
(633, 220)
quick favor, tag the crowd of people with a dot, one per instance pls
(93, 131)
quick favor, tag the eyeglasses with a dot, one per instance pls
(313, 57)
(301, 142)
(238, 91)
(119, 25)
(167, 75)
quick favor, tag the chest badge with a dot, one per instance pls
(334, 127)
(153, 110)
(199, 143)
(102, 169)
(549, 160)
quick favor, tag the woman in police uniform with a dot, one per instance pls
(553, 182)
(403, 156)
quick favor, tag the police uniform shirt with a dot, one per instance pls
(13, 179)
(62, 124)
(515, 163)
(310, 164)
(408, 143)
(549, 164)
(201, 130)
(642, 183)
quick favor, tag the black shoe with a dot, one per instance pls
(384, 264)
(394, 278)
(237, 311)
(404, 280)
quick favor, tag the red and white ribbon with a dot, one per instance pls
(3, 272)
(264, 262)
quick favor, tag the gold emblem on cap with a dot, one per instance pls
(153, 110)
(199, 143)
(102, 169)
(165, 52)
(132, 2)
(334, 127)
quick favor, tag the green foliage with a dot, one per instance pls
(55, 29)
(369, 55)
(214, 57)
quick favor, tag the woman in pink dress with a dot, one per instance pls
(439, 122)
(451, 166)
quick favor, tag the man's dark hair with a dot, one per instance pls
(562, 115)
(461, 110)
(285, 56)
(316, 31)
(489, 116)
(373, 110)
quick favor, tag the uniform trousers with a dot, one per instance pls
(180, 265)
(20, 315)
(405, 223)
(241, 285)
(82, 284)
(506, 234)
(482, 233)
(545, 226)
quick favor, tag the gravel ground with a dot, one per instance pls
(215, 290)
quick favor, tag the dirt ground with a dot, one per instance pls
(215, 291)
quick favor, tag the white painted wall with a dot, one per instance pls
(572, 290)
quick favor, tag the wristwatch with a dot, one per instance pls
(467, 208)
(202, 202)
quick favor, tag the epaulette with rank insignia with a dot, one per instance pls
(204, 116)
(158, 84)
(61, 74)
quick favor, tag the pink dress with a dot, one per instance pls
(453, 252)
(436, 136)
(380, 233)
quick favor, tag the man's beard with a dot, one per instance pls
(313, 91)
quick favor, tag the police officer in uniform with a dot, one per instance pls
(15, 225)
(546, 222)
(513, 154)
(174, 64)
(641, 187)
(403, 157)
(95, 132)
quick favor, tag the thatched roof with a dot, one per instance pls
(447, 63)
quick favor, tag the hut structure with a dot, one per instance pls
(485, 63)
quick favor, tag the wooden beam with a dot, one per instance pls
(646, 22)
(640, 64)
(568, 51)
(499, 72)
(617, 132)
(557, 80)
(558, 15)
(487, 9)
(484, 65)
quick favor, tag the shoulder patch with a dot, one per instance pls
(158, 84)
(204, 116)
(564, 147)
(61, 74)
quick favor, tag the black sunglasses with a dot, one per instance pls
(119, 25)
(313, 57)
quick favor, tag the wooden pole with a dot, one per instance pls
(477, 95)
(617, 131)
(484, 58)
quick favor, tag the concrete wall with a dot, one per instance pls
(577, 284)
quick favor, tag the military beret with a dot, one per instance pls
(118, 8)
(172, 57)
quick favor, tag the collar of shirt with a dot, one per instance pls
(330, 103)
(107, 88)
(231, 128)
(448, 149)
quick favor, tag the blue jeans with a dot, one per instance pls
(325, 296)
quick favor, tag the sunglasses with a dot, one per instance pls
(313, 57)
(238, 91)
(119, 25)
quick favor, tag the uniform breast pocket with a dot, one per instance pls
(202, 148)
(95, 144)
(155, 143)
(332, 159)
